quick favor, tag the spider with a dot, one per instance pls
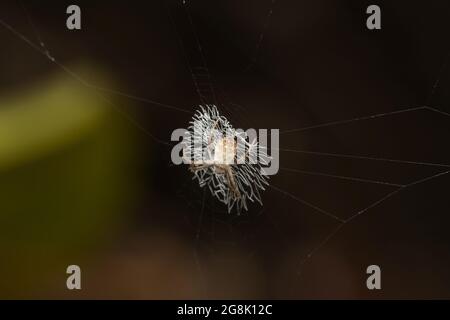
(220, 159)
(225, 150)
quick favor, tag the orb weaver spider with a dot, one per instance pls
(220, 159)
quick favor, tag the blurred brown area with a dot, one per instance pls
(109, 200)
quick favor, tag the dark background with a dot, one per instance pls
(317, 63)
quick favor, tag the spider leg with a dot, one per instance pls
(232, 182)
(195, 167)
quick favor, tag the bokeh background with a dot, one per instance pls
(84, 181)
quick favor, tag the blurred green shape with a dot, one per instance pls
(66, 171)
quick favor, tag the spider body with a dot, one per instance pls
(225, 151)
(219, 158)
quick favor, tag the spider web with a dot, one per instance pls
(208, 91)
